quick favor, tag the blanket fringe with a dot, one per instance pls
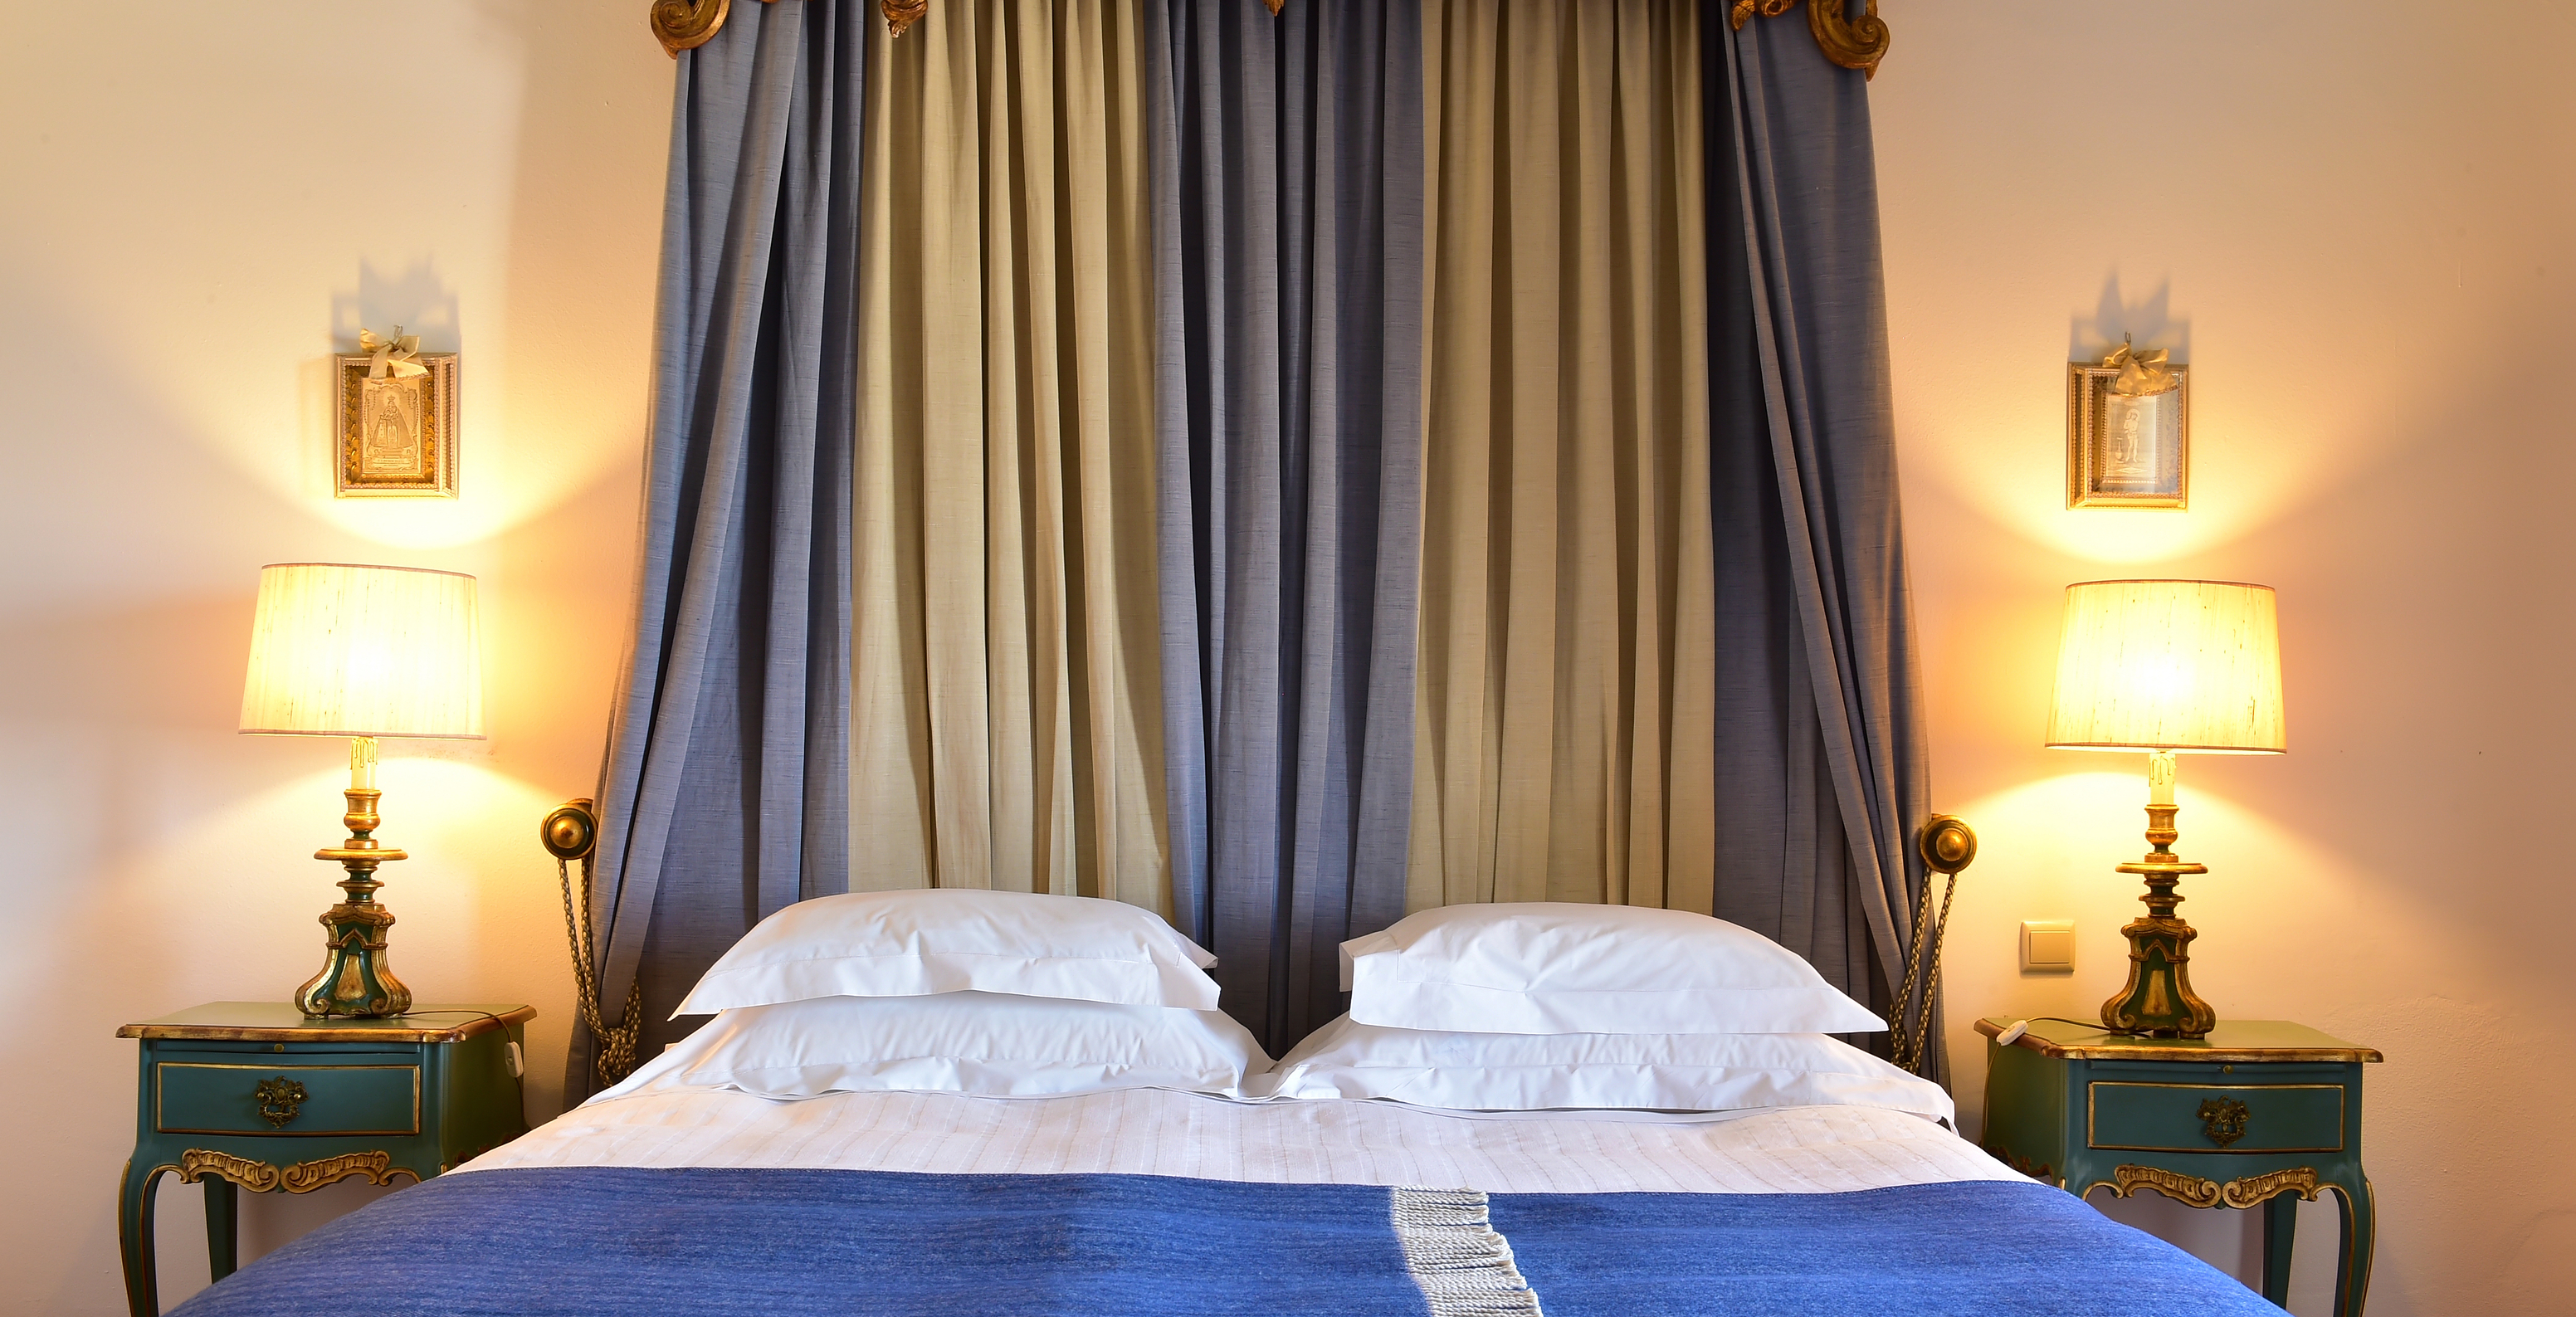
(1465, 1269)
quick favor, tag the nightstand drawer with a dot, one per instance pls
(226, 1097)
(2253, 1118)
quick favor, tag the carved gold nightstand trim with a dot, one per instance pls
(303, 1177)
(2190, 1190)
(2193, 1191)
(2253, 1190)
(378, 1167)
(197, 1163)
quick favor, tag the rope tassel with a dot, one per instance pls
(1463, 1266)
(616, 1057)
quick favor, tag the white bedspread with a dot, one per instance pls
(1159, 1132)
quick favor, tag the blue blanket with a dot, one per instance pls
(782, 1243)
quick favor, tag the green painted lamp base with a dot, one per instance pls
(358, 979)
(2158, 1000)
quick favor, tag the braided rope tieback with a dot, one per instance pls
(1947, 846)
(616, 1056)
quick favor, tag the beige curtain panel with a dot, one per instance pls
(1565, 706)
(1006, 719)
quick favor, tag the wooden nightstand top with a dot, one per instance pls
(281, 1022)
(2232, 1040)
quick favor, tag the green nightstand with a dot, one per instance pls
(2261, 1112)
(255, 1096)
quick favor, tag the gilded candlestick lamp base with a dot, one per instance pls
(2158, 1000)
(357, 979)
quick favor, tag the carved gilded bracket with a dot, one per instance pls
(1854, 43)
(303, 1177)
(685, 24)
(2193, 1191)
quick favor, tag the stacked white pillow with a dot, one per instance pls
(997, 994)
(1545, 1005)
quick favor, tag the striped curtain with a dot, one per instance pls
(1007, 728)
(1566, 703)
(1288, 219)
(1302, 468)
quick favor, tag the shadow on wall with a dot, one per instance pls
(417, 301)
(2150, 322)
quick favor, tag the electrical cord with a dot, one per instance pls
(518, 1072)
(2094, 1025)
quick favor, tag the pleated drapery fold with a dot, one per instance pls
(1565, 704)
(1007, 717)
(1821, 722)
(723, 794)
(1279, 472)
(1287, 195)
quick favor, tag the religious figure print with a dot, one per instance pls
(395, 421)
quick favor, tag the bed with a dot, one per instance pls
(823, 1148)
(1150, 1201)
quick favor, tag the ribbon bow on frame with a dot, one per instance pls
(2140, 372)
(393, 356)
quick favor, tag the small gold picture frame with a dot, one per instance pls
(394, 436)
(2123, 451)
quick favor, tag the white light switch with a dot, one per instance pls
(2048, 946)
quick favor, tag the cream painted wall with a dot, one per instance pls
(2354, 221)
(2351, 219)
(197, 205)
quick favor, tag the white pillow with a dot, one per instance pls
(907, 944)
(1543, 1072)
(1557, 967)
(988, 1044)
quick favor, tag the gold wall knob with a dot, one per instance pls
(570, 831)
(1947, 844)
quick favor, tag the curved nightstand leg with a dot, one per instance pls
(2352, 1260)
(134, 1238)
(2280, 1229)
(223, 1207)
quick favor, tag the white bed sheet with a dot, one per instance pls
(1161, 1132)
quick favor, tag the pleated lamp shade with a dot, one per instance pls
(342, 650)
(2187, 666)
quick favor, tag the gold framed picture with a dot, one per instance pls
(395, 432)
(2127, 450)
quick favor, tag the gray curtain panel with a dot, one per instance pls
(725, 795)
(1823, 772)
(1286, 158)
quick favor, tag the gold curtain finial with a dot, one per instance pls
(1275, 6)
(684, 24)
(687, 24)
(1854, 43)
(902, 14)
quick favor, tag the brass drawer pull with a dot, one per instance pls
(279, 1100)
(2223, 1120)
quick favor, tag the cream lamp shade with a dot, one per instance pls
(343, 650)
(2192, 667)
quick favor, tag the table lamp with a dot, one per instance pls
(362, 652)
(2170, 668)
